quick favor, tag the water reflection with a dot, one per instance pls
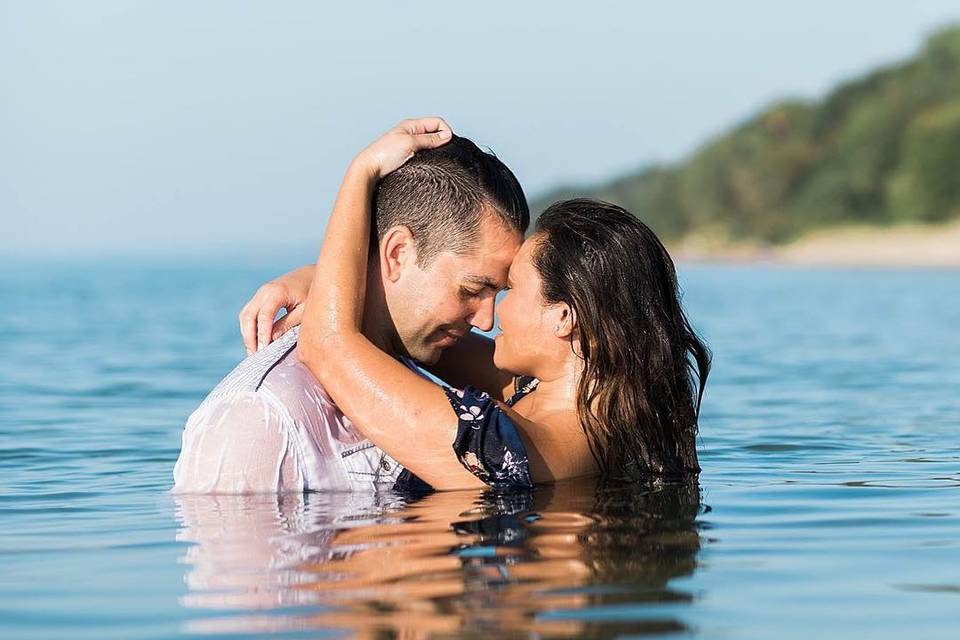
(574, 559)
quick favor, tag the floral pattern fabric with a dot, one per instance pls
(488, 442)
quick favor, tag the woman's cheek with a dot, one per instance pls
(499, 352)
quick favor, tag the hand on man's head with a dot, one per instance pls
(391, 150)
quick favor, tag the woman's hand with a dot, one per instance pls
(289, 292)
(396, 146)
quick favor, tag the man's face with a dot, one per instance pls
(433, 308)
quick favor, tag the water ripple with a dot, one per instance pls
(828, 505)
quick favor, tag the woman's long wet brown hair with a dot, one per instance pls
(645, 368)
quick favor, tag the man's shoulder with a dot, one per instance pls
(252, 372)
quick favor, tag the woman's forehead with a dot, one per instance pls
(525, 254)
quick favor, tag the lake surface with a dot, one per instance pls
(828, 506)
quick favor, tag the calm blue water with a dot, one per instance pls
(829, 505)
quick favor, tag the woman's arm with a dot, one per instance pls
(470, 361)
(402, 413)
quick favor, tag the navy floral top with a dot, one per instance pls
(488, 442)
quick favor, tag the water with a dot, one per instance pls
(829, 504)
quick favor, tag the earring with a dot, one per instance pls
(556, 328)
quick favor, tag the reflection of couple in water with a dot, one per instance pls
(508, 564)
(595, 371)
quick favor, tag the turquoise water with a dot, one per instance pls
(829, 504)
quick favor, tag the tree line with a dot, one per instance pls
(880, 149)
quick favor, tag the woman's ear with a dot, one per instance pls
(566, 326)
(398, 248)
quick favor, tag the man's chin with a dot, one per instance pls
(427, 355)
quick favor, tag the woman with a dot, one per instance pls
(593, 319)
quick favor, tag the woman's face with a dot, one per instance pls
(527, 343)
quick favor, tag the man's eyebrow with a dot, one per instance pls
(484, 281)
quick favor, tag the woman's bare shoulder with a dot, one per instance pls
(556, 445)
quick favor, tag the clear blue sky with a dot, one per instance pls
(222, 128)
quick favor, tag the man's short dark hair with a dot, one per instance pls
(442, 194)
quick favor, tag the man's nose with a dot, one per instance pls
(482, 318)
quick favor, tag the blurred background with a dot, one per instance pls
(160, 160)
(222, 128)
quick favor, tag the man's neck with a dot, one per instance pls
(377, 326)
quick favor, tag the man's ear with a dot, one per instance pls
(398, 248)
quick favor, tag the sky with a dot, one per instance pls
(193, 129)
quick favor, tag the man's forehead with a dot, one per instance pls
(488, 262)
(483, 269)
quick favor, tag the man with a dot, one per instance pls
(448, 225)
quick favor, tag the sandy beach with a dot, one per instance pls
(935, 246)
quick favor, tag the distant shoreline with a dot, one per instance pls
(907, 245)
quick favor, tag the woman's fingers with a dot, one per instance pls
(248, 325)
(432, 124)
(265, 324)
(427, 133)
(251, 317)
(431, 140)
(256, 317)
(398, 145)
(292, 318)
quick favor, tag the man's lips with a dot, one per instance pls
(449, 337)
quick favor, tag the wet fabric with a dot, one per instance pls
(270, 427)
